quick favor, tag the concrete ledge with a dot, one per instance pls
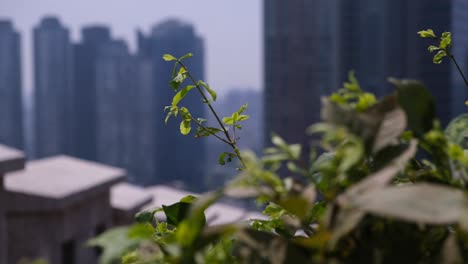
(55, 183)
(10, 159)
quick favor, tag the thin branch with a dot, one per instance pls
(458, 67)
(229, 140)
(207, 130)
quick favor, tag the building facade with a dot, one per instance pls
(178, 157)
(11, 128)
(53, 94)
(299, 59)
(85, 61)
(378, 40)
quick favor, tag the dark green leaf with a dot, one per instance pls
(177, 212)
(418, 104)
(144, 217)
(221, 158)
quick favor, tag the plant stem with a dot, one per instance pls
(458, 67)
(229, 141)
(207, 130)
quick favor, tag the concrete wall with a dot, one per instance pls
(43, 234)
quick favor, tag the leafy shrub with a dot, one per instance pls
(386, 184)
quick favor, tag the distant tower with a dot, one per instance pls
(85, 59)
(53, 89)
(378, 39)
(115, 89)
(299, 53)
(179, 158)
(11, 119)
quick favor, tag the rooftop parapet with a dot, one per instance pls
(56, 182)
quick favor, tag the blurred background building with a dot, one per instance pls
(11, 115)
(100, 98)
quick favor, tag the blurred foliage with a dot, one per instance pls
(386, 184)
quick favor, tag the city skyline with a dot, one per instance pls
(225, 68)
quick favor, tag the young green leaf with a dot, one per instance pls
(208, 89)
(242, 108)
(186, 56)
(185, 127)
(439, 56)
(428, 33)
(228, 121)
(445, 40)
(181, 94)
(432, 48)
(169, 57)
(177, 81)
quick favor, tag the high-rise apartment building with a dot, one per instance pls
(114, 103)
(378, 40)
(11, 125)
(178, 158)
(85, 60)
(299, 59)
(53, 94)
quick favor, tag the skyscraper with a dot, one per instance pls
(299, 59)
(11, 124)
(85, 60)
(53, 94)
(378, 40)
(115, 99)
(178, 158)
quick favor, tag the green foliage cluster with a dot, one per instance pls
(386, 184)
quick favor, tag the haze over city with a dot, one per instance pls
(231, 30)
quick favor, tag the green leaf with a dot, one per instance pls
(457, 131)
(418, 104)
(228, 120)
(205, 132)
(143, 231)
(242, 108)
(428, 33)
(167, 117)
(208, 89)
(242, 118)
(445, 40)
(169, 57)
(144, 217)
(221, 158)
(181, 94)
(114, 243)
(188, 199)
(185, 127)
(176, 213)
(177, 81)
(418, 203)
(433, 48)
(352, 85)
(439, 56)
(186, 56)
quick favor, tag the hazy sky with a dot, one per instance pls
(232, 29)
